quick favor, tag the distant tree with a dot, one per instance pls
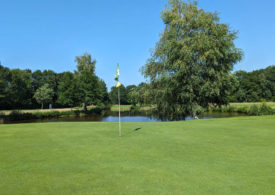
(66, 90)
(5, 79)
(19, 90)
(128, 89)
(145, 93)
(131, 94)
(103, 93)
(89, 91)
(190, 66)
(44, 95)
(51, 78)
(270, 76)
(114, 95)
(255, 86)
(37, 80)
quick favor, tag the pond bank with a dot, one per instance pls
(130, 113)
(126, 116)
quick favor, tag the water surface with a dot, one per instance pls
(125, 117)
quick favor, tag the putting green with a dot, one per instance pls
(216, 156)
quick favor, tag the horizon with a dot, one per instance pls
(51, 41)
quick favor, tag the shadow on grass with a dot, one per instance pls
(131, 132)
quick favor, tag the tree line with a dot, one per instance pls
(255, 86)
(19, 88)
(190, 68)
(26, 89)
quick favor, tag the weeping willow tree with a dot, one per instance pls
(190, 65)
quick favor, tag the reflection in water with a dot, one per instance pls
(126, 117)
(130, 118)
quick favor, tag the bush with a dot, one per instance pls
(262, 100)
(243, 109)
(17, 115)
(134, 108)
(254, 110)
(265, 109)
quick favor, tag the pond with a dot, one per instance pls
(125, 117)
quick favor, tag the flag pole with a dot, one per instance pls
(118, 97)
(119, 125)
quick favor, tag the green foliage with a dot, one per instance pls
(66, 90)
(264, 109)
(103, 93)
(5, 78)
(134, 108)
(190, 66)
(253, 109)
(130, 98)
(140, 94)
(18, 87)
(114, 95)
(44, 95)
(254, 86)
(17, 115)
(19, 91)
(91, 90)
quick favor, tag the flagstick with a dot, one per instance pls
(119, 125)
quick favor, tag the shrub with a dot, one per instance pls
(254, 110)
(134, 108)
(17, 115)
(243, 109)
(265, 109)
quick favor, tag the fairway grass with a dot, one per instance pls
(215, 156)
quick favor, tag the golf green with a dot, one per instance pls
(215, 156)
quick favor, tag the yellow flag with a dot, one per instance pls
(118, 84)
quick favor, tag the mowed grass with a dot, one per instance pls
(216, 156)
(122, 108)
(128, 108)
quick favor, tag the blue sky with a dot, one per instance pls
(48, 34)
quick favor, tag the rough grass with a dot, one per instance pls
(271, 104)
(217, 156)
(265, 108)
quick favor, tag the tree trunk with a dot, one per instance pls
(84, 107)
(42, 106)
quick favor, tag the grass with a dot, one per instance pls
(266, 108)
(271, 104)
(127, 108)
(216, 156)
(33, 111)
(123, 108)
(20, 115)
